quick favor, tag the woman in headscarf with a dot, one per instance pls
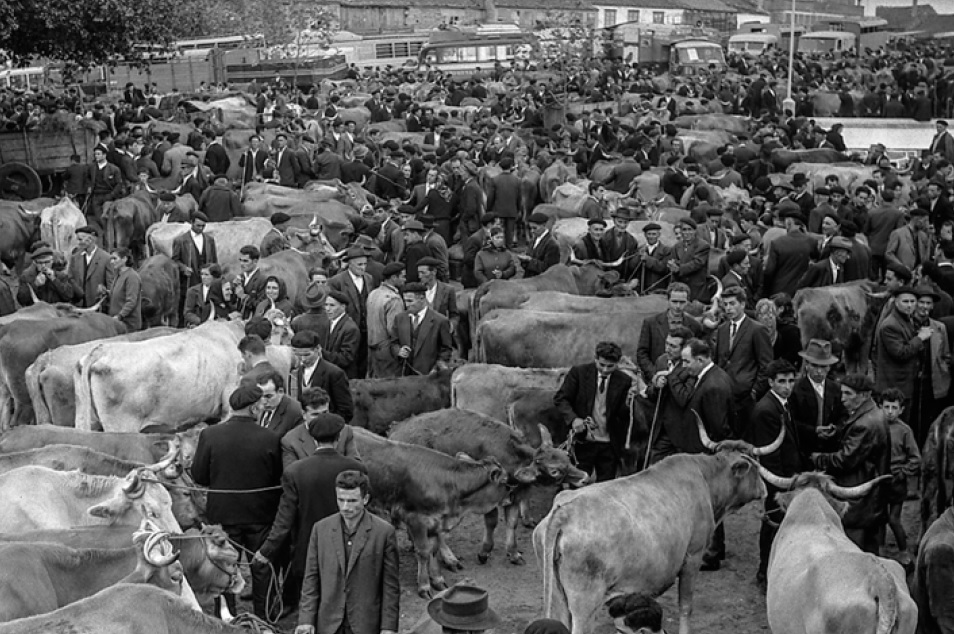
(785, 338)
(275, 298)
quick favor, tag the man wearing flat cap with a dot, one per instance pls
(45, 281)
(344, 337)
(238, 455)
(864, 453)
(385, 303)
(421, 336)
(89, 267)
(590, 247)
(829, 270)
(689, 263)
(219, 202)
(308, 496)
(789, 255)
(355, 284)
(544, 251)
(275, 240)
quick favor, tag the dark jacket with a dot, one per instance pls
(333, 380)
(125, 299)
(652, 340)
(98, 273)
(788, 259)
(897, 353)
(286, 417)
(710, 397)
(491, 258)
(341, 346)
(220, 203)
(765, 421)
(239, 454)
(693, 261)
(542, 257)
(431, 342)
(745, 361)
(804, 404)
(577, 394)
(196, 311)
(820, 274)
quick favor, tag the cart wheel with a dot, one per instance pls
(19, 181)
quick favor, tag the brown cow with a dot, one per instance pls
(380, 402)
(160, 291)
(488, 388)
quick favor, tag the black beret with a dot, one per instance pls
(90, 230)
(652, 226)
(595, 221)
(429, 261)
(735, 256)
(200, 216)
(325, 426)
(539, 218)
(415, 287)
(245, 395)
(859, 382)
(392, 269)
(280, 217)
(339, 297)
(167, 197)
(305, 339)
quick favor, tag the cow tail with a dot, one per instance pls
(32, 377)
(885, 593)
(86, 413)
(547, 548)
(479, 345)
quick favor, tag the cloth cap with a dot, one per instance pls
(244, 396)
(325, 426)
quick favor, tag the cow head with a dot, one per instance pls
(837, 496)
(356, 196)
(593, 280)
(555, 465)
(136, 497)
(212, 561)
(158, 563)
(738, 446)
(495, 472)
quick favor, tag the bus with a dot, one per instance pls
(751, 44)
(201, 46)
(30, 78)
(753, 38)
(402, 49)
(460, 52)
(826, 41)
(869, 32)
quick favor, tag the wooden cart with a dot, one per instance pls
(30, 161)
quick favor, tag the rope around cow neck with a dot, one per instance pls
(185, 487)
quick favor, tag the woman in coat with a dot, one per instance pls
(494, 261)
(275, 298)
(125, 297)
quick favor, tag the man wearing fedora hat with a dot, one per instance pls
(830, 270)
(89, 267)
(314, 318)
(463, 607)
(863, 453)
(816, 400)
(789, 255)
(801, 196)
(618, 243)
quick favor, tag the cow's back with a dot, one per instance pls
(145, 448)
(380, 402)
(488, 388)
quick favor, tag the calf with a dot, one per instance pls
(380, 402)
(429, 492)
(488, 388)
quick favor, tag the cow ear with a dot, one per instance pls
(526, 475)
(111, 509)
(741, 467)
(546, 440)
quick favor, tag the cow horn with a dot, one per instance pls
(718, 294)
(314, 221)
(855, 492)
(576, 262)
(775, 480)
(159, 542)
(132, 486)
(703, 436)
(770, 449)
(614, 263)
(95, 308)
(171, 454)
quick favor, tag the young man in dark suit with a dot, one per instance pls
(278, 412)
(315, 371)
(356, 284)
(286, 162)
(308, 496)
(790, 255)
(544, 251)
(252, 161)
(421, 336)
(190, 252)
(344, 338)
(593, 400)
(440, 296)
(652, 334)
(250, 284)
(89, 267)
(239, 454)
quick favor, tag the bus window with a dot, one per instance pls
(486, 53)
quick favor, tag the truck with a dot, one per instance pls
(753, 38)
(683, 50)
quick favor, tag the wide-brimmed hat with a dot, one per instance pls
(315, 296)
(799, 179)
(927, 291)
(623, 212)
(463, 608)
(818, 351)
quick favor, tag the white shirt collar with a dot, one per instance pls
(783, 401)
(357, 279)
(420, 315)
(703, 372)
(334, 322)
(540, 239)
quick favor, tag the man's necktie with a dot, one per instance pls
(732, 332)
(602, 385)
(267, 417)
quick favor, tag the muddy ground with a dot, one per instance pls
(726, 601)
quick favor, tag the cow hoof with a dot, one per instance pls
(453, 565)
(516, 559)
(483, 557)
(425, 593)
(439, 584)
(529, 523)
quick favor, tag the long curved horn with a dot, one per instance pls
(574, 261)
(770, 449)
(614, 263)
(132, 486)
(703, 436)
(718, 294)
(95, 308)
(775, 480)
(171, 454)
(157, 550)
(855, 492)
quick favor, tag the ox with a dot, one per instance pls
(934, 577)
(128, 219)
(937, 470)
(58, 225)
(529, 339)
(38, 311)
(179, 379)
(20, 226)
(629, 550)
(22, 342)
(291, 266)
(782, 159)
(160, 291)
(144, 448)
(124, 608)
(488, 388)
(845, 314)
(337, 219)
(429, 492)
(49, 379)
(380, 402)
(821, 582)
(453, 431)
(208, 559)
(229, 236)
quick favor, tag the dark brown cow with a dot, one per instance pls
(19, 226)
(845, 314)
(429, 492)
(782, 158)
(937, 468)
(454, 431)
(160, 291)
(380, 402)
(22, 342)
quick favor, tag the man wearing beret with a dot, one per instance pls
(238, 455)
(385, 303)
(789, 255)
(690, 261)
(219, 202)
(46, 282)
(313, 370)
(589, 247)
(275, 240)
(308, 496)
(544, 251)
(344, 337)
(421, 336)
(89, 267)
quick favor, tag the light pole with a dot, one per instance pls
(789, 102)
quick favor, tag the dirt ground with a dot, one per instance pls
(726, 602)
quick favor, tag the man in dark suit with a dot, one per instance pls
(440, 296)
(279, 412)
(618, 243)
(308, 496)
(252, 161)
(593, 401)
(89, 267)
(275, 240)
(651, 264)
(690, 261)
(344, 337)
(215, 155)
(621, 178)
(208, 300)
(789, 255)
(246, 518)
(742, 348)
(421, 336)
(816, 402)
(286, 162)
(190, 252)
(299, 444)
(769, 415)
(544, 251)
(830, 270)
(675, 429)
(355, 284)
(652, 335)
(351, 572)
(504, 199)
(316, 371)
(389, 182)
(249, 285)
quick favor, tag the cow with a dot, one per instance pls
(934, 575)
(160, 291)
(536, 339)
(61, 499)
(732, 124)
(818, 579)
(557, 302)
(128, 219)
(38, 311)
(849, 175)
(845, 314)
(58, 225)
(127, 607)
(230, 236)
(428, 492)
(630, 550)
(22, 342)
(20, 226)
(488, 388)
(292, 267)
(380, 402)
(337, 218)
(782, 158)
(532, 413)
(49, 379)
(208, 558)
(179, 379)
(144, 448)
(937, 470)
(453, 431)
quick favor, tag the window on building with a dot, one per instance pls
(659, 17)
(609, 17)
(632, 15)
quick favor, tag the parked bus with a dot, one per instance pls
(201, 46)
(462, 52)
(31, 78)
(869, 32)
(826, 41)
(753, 38)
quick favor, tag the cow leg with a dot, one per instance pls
(490, 525)
(686, 577)
(425, 535)
(447, 556)
(511, 517)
